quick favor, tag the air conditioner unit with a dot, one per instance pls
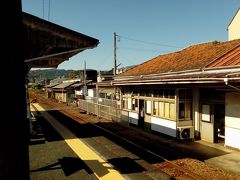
(185, 132)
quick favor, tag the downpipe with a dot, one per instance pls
(229, 85)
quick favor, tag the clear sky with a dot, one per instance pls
(145, 28)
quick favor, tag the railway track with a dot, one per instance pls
(132, 141)
(139, 150)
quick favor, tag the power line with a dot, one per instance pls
(147, 42)
(143, 49)
(43, 8)
(49, 8)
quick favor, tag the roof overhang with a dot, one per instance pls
(206, 76)
(46, 44)
(104, 84)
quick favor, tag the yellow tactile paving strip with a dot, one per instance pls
(101, 168)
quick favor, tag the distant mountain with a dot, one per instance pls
(47, 74)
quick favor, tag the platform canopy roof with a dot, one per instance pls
(46, 44)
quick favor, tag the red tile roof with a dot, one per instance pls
(232, 58)
(193, 57)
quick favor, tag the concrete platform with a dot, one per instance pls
(62, 155)
(229, 162)
(214, 154)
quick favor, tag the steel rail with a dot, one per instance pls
(180, 168)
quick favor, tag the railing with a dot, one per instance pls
(105, 108)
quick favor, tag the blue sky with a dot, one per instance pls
(145, 28)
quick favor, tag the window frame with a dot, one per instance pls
(205, 114)
(162, 108)
(185, 99)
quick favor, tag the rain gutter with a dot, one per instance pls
(57, 54)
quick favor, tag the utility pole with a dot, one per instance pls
(115, 59)
(85, 83)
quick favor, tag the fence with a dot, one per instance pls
(105, 108)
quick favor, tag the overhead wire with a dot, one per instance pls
(43, 9)
(147, 42)
(119, 37)
(142, 49)
(49, 9)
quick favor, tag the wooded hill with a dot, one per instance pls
(49, 74)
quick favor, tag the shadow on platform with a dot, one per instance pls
(69, 165)
(167, 148)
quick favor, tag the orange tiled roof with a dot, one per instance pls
(193, 57)
(232, 58)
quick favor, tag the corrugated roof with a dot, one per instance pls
(63, 85)
(81, 83)
(193, 57)
(104, 83)
(212, 75)
(52, 85)
(77, 84)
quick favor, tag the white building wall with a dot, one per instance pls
(234, 27)
(207, 131)
(133, 118)
(164, 126)
(61, 96)
(196, 111)
(78, 92)
(232, 120)
(91, 92)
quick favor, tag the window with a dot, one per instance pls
(164, 106)
(164, 110)
(171, 94)
(155, 108)
(188, 110)
(161, 92)
(148, 107)
(206, 113)
(172, 111)
(129, 103)
(161, 109)
(185, 105)
(134, 104)
(145, 92)
(148, 92)
(185, 110)
(125, 103)
(181, 110)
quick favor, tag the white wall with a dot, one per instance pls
(232, 120)
(78, 92)
(234, 27)
(196, 110)
(61, 96)
(207, 132)
(91, 92)
(164, 126)
(133, 118)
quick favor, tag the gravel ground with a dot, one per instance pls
(182, 169)
(197, 170)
